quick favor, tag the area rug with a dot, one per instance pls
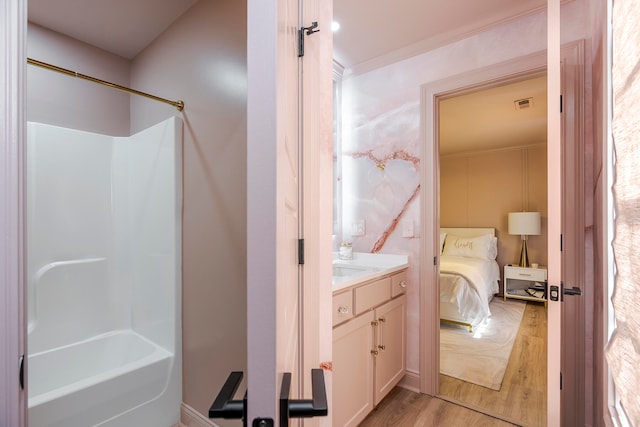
(481, 357)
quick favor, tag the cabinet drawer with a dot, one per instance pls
(520, 273)
(342, 307)
(373, 294)
(398, 284)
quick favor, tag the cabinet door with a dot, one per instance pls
(390, 361)
(353, 370)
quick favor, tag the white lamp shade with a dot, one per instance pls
(524, 223)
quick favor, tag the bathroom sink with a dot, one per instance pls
(345, 270)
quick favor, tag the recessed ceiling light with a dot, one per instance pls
(335, 26)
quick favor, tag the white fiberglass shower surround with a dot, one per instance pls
(104, 277)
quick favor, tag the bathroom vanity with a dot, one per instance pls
(369, 333)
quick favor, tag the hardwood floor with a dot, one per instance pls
(522, 399)
(404, 408)
(523, 395)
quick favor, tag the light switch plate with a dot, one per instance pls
(407, 228)
(358, 228)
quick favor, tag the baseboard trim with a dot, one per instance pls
(411, 381)
(189, 417)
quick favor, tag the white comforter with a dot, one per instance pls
(469, 284)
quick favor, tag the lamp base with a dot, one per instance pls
(524, 257)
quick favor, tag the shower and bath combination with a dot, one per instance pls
(104, 276)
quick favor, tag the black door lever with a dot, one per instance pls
(570, 291)
(224, 407)
(304, 408)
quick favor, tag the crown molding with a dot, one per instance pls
(433, 43)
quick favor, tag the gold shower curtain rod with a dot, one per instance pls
(177, 104)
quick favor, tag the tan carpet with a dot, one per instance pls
(481, 357)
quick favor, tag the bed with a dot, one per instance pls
(469, 275)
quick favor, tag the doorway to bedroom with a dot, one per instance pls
(572, 208)
(492, 161)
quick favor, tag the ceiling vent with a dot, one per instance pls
(523, 104)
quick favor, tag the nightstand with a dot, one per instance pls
(517, 280)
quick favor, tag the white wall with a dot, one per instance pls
(381, 126)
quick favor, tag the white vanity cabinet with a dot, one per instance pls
(368, 346)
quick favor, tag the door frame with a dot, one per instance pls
(506, 72)
(429, 329)
(13, 404)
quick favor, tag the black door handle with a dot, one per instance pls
(570, 291)
(223, 406)
(304, 408)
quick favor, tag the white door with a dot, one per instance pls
(277, 147)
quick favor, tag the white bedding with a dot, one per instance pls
(469, 284)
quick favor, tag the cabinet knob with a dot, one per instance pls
(382, 347)
(343, 309)
(374, 323)
(374, 352)
(381, 319)
(403, 284)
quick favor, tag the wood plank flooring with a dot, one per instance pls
(522, 399)
(404, 408)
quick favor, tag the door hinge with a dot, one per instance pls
(561, 103)
(21, 372)
(300, 251)
(301, 33)
(435, 260)
(561, 242)
(560, 380)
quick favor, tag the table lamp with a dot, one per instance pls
(525, 224)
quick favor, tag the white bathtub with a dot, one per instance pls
(104, 277)
(96, 381)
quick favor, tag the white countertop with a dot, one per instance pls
(373, 265)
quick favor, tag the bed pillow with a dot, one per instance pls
(483, 247)
(443, 236)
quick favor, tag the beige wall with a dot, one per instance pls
(61, 100)
(479, 189)
(201, 59)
